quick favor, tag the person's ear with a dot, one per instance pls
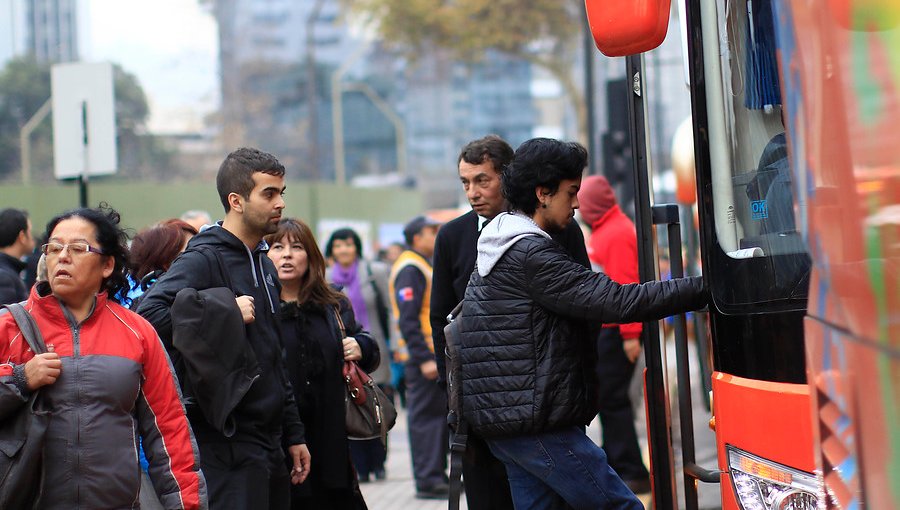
(24, 237)
(542, 193)
(236, 202)
(108, 266)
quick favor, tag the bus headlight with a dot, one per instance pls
(761, 484)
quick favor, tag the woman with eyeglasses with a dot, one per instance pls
(106, 379)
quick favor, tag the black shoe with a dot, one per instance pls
(639, 486)
(438, 491)
(363, 478)
(380, 474)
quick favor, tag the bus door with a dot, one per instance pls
(755, 261)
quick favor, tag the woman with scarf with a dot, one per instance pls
(365, 284)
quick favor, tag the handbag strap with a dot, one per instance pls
(340, 322)
(28, 327)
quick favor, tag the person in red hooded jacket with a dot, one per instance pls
(612, 249)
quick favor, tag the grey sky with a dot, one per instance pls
(170, 45)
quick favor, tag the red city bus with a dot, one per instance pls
(798, 185)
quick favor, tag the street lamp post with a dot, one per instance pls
(337, 114)
(25, 138)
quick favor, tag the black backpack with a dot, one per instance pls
(455, 419)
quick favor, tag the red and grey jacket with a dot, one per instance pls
(116, 384)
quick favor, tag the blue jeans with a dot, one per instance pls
(561, 469)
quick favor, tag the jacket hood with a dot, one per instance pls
(500, 235)
(217, 235)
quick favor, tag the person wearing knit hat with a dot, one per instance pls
(612, 249)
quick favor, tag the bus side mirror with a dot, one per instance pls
(627, 27)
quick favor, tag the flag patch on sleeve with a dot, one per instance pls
(405, 294)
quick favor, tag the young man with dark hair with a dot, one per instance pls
(526, 350)
(15, 242)
(480, 164)
(244, 466)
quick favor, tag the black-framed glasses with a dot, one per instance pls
(75, 249)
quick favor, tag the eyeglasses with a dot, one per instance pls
(75, 249)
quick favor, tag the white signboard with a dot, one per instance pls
(83, 97)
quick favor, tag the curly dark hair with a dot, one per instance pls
(113, 241)
(540, 162)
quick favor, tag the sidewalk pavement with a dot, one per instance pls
(398, 491)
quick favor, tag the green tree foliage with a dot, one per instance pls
(543, 32)
(25, 86)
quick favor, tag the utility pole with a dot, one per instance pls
(25, 138)
(312, 99)
(587, 40)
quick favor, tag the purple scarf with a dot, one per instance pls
(349, 278)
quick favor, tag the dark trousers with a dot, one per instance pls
(368, 456)
(487, 485)
(620, 441)
(429, 437)
(244, 476)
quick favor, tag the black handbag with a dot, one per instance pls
(22, 435)
(370, 413)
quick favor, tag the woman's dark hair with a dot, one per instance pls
(314, 288)
(343, 234)
(540, 162)
(112, 239)
(156, 247)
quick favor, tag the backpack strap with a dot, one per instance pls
(28, 327)
(459, 427)
(457, 449)
(215, 257)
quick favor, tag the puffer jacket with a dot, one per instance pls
(116, 383)
(527, 359)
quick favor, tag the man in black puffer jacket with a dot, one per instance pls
(527, 357)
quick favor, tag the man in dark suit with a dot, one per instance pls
(480, 165)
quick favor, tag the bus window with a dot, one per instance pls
(752, 183)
